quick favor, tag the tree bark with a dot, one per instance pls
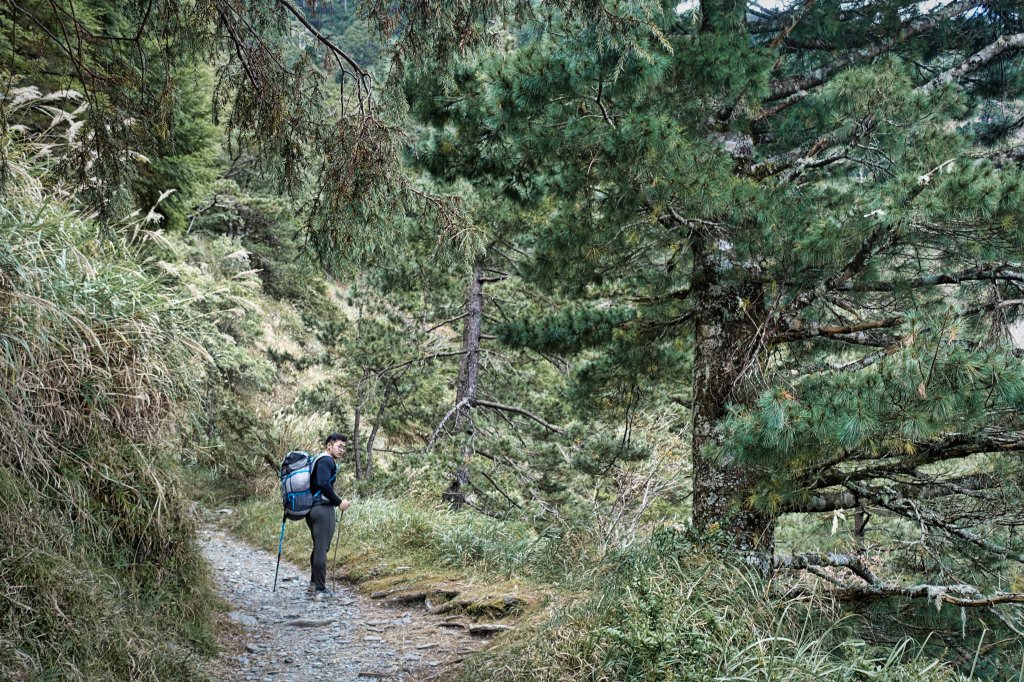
(368, 469)
(469, 379)
(469, 371)
(727, 342)
(355, 444)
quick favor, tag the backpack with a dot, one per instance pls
(296, 480)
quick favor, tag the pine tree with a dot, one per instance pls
(804, 222)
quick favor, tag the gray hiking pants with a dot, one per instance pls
(321, 521)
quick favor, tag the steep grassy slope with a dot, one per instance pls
(100, 572)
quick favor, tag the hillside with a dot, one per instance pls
(668, 341)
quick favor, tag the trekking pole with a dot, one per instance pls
(280, 548)
(337, 531)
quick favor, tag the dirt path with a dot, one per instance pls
(284, 636)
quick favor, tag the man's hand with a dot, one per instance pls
(344, 505)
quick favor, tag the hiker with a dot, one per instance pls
(322, 518)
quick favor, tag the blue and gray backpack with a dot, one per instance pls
(296, 479)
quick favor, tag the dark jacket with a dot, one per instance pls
(320, 480)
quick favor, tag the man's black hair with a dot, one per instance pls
(335, 436)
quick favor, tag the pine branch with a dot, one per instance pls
(501, 490)
(520, 411)
(425, 358)
(977, 60)
(957, 595)
(786, 160)
(803, 561)
(76, 59)
(891, 345)
(458, 406)
(784, 33)
(908, 30)
(1014, 154)
(952, 446)
(879, 237)
(323, 40)
(677, 295)
(986, 272)
(994, 305)
(853, 333)
(445, 322)
(888, 499)
(838, 500)
(240, 51)
(851, 366)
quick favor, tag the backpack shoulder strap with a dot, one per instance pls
(316, 458)
(313, 462)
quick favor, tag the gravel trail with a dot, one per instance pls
(284, 636)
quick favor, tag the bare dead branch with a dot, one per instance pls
(433, 437)
(957, 595)
(518, 410)
(802, 561)
(904, 507)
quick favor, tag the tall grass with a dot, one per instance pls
(667, 610)
(401, 532)
(101, 577)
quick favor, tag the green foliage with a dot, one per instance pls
(627, 181)
(183, 156)
(408, 532)
(926, 389)
(570, 330)
(667, 610)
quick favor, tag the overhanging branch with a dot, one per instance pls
(852, 333)
(957, 595)
(802, 561)
(917, 512)
(952, 446)
(987, 272)
(924, 490)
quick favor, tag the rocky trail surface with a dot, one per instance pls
(284, 636)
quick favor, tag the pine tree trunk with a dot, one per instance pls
(368, 468)
(726, 345)
(355, 444)
(469, 372)
(469, 379)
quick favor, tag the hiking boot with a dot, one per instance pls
(321, 595)
(310, 588)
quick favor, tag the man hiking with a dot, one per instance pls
(322, 518)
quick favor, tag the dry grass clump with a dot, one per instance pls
(100, 572)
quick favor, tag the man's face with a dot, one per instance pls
(336, 448)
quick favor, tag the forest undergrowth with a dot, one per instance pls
(664, 608)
